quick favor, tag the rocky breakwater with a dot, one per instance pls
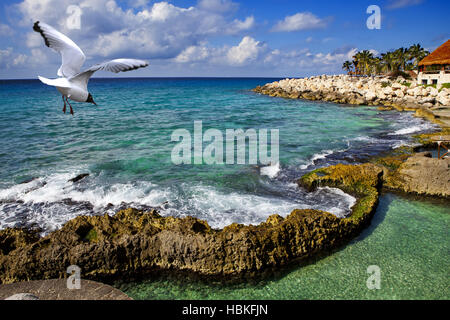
(384, 92)
(133, 242)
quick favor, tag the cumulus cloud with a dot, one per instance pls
(172, 37)
(159, 31)
(193, 54)
(248, 50)
(238, 26)
(300, 21)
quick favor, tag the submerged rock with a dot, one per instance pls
(79, 177)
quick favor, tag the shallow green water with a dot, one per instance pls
(408, 239)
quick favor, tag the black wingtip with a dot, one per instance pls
(37, 28)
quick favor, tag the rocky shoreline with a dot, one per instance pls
(133, 242)
(399, 93)
(137, 243)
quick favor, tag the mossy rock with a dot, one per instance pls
(363, 181)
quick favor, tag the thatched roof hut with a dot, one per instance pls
(440, 56)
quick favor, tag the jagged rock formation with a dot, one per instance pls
(137, 243)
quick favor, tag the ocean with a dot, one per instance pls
(125, 146)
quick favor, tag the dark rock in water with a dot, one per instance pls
(79, 177)
(80, 204)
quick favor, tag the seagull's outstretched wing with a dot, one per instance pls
(116, 65)
(72, 56)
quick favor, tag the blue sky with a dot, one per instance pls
(222, 38)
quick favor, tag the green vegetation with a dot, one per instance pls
(91, 236)
(445, 85)
(401, 60)
(406, 83)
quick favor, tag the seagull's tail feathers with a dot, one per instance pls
(60, 82)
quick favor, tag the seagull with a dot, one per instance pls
(72, 83)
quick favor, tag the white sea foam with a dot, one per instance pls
(58, 188)
(315, 157)
(45, 204)
(271, 171)
(409, 130)
(346, 203)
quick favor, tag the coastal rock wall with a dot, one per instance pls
(138, 243)
(400, 94)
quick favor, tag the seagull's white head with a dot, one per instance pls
(90, 99)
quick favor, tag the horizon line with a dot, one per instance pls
(174, 77)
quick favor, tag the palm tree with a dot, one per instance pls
(347, 66)
(387, 61)
(363, 59)
(376, 65)
(401, 59)
(417, 53)
(401, 56)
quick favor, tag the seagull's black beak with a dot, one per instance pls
(90, 99)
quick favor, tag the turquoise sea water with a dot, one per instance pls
(125, 145)
(408, 240)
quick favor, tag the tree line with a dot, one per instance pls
(400, 60)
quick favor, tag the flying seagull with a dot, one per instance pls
(72, 83)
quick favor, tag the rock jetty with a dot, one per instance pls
(384, 92)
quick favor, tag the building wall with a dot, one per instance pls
(441, 77)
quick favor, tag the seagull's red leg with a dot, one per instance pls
(71, 110)
(64, 109)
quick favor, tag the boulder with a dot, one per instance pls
(421, 174)
(23, 296)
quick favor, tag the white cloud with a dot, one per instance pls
(10, 59)
(6, 30)
(238, 26)
(220, 6)
(299, 21)
(20, 60)
(5, 58)
(159, 31)
(193, 54)
(396, 4)
(248, 50)
(175, 39)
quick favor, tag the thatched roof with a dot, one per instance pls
(439, 56)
